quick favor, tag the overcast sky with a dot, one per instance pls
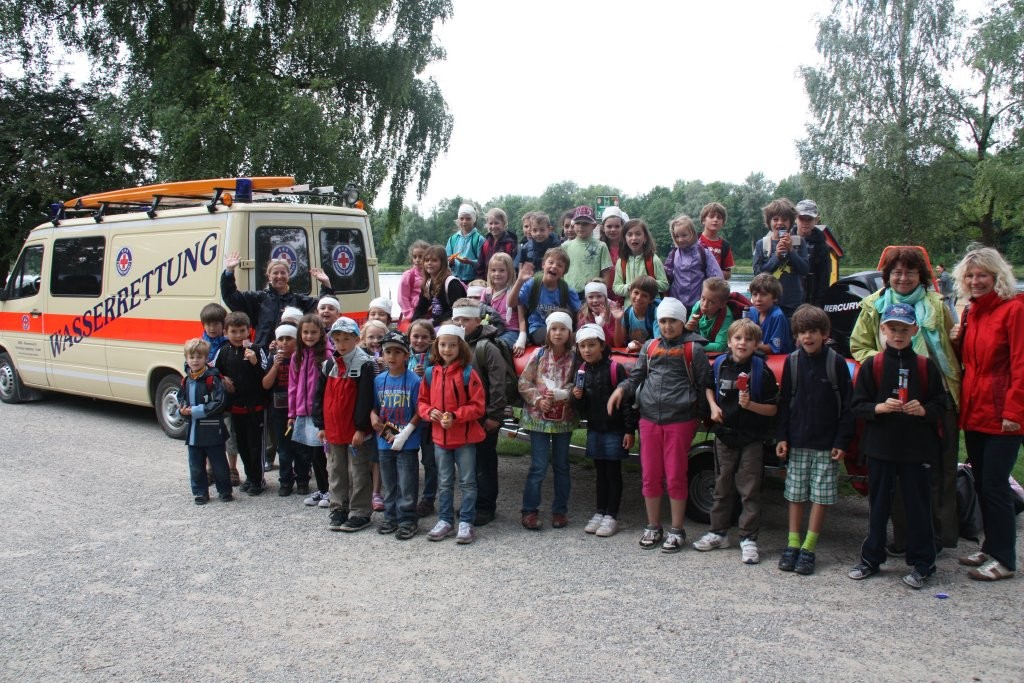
(631, 94)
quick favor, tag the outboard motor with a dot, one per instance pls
(842, 304)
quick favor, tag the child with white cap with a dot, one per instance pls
(549, 418)
(463, 248)
(609, 437)
(670, 377)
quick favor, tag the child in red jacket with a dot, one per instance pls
(453, 399)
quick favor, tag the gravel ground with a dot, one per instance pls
(110, 572)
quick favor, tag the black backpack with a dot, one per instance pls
(512, 397)
(968, 511)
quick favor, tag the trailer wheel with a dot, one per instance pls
(10, 383)
(165, 403)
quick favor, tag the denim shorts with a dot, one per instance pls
(606, 446)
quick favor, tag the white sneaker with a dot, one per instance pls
(748, 547)
(466, 534)
(609, 525)
(325, 500)
(441, 531)
(711, 541)
(314, 499)
(594, 523)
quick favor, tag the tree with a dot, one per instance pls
(55, 146)
(328, 91)
(877, 106)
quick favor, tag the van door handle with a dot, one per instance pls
(35, 313)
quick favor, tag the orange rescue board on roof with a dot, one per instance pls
(191, 189)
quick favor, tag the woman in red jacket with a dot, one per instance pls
(452, 400)
(991, 340)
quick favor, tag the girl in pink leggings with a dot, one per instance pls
(668, 380)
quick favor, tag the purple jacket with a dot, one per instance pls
(302, 381)
(687, 270)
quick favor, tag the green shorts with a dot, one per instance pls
(812, 474)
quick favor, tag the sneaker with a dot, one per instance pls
(653, 536)
(257, 488)
(355, 523)
(388, 527)
(787, 562)
(325, 500)
(201, 500)
(805, 563)
(227, 497)
(531, 521)
(748, 551)
(302, 489)
(594, 523)
(862, 570)
(284, 491)
(559, 521)
(483, 518)
(466, 534)
(711, 541)
(378, 503)
(424, 508)
(609, 525)
(406, 531)
(244, 488)
(235, 479)
(674, 540)
(315, 498)
(993, 570)
(974, 559)
(915, 579)
(441, 531)
(337, 519)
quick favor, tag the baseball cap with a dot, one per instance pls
(807, 207)
(346, 325)
(583, 214)
(394, 338)
(900, 313)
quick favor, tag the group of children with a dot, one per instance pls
(364, 407)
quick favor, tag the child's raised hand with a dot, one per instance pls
(691, 323)
(231, 261)
(617, 311)
(782, 450)
(525, 271)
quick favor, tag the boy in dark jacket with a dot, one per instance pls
(201, 399)
(901, 402)
(813, 430)
(746, 391)
(341, 411)
(243, 364)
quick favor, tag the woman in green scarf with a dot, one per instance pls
(908, 279)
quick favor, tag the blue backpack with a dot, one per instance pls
(428, 374)
(756, 375)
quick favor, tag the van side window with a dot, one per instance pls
(283, 242)
(77, 268)
(343, 258)
(26, 275)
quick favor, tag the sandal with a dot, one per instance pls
(993, 570)
(974, 559)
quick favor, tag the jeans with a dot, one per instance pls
(400, 481)
(992, 457)
(463, 457)
(429, 467)
(545, 447)
(293, 461)
(197, 456)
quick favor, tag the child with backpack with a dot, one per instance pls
(712, 220)
(711, 317)
(782, 254)
(538, 240)
(538, 295)
(549, 418)
(670, 378)
(746, 392)
(453, 400)
(637, 322)
(412, 280)
(813, 429)
(463, 247)
(500, 276)
(421, 339)
(609, 437)
(597, 309)
(440, 288)
(688, 264)
(901, 398)
(201, 401)
(637, 258)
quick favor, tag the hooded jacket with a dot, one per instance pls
(992, 348)
(447, 393)
(661, 382)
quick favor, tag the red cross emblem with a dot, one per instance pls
(343, 260)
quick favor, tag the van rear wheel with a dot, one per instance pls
(10, 383)
(166, 404)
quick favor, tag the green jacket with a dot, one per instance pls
(866, 339)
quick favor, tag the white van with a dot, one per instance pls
(100, 306)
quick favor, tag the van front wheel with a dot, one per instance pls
(166, 404)
(10, 383)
